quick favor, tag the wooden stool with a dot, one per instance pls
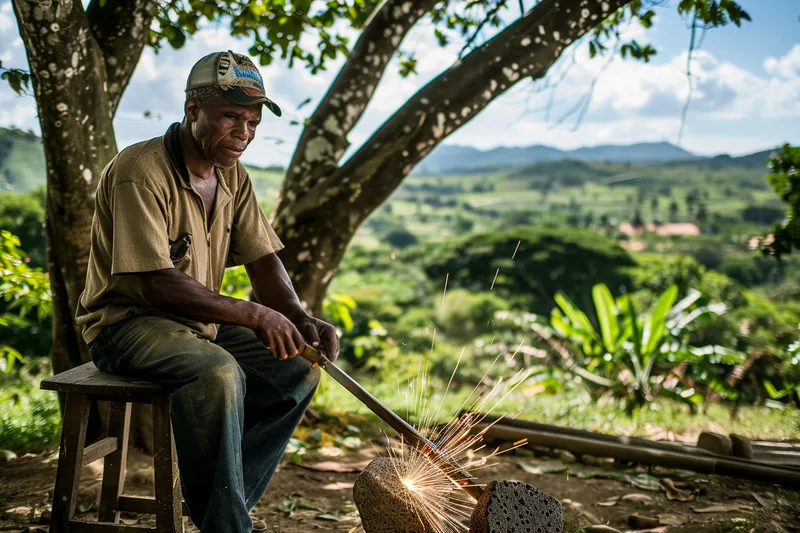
(85, 383)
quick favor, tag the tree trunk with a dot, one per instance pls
(76, 108)
(322, 204)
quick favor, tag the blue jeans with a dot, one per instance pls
(234, 408)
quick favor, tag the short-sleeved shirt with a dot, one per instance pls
(149, 217)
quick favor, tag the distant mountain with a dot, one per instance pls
(454, 159)
(757, 160)
(22, 166)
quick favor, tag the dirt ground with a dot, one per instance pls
(301, 498)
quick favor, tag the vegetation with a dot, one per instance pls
(505, 266)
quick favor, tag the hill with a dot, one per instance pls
(22, 166)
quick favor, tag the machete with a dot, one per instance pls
(458, 474)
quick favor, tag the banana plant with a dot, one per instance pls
(630, 349)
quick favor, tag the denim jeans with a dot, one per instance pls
(234, 408)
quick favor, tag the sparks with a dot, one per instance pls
(435, 497)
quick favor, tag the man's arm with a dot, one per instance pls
(172, 291)
(273, 288)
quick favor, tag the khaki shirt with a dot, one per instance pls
(148, 217)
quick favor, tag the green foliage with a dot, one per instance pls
(784, 177)
(23, 214)
(18, 79)
(30, 419)
(632, 353)
(22, 165)
(275, 26)
(400, 237)
(704, 13)
(464, 316)
(26, 299)
(544, 261)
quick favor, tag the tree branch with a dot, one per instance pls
(324, 139)
(121, 29)
(525, 49)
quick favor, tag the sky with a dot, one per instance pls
(746, 90)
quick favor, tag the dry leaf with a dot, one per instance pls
(578, 507)
(660, 529)
(538, 470)
(341, 485)
(330, 451)
(722, 508)
(672, 519)
(333, 466)
(600, 528)
(611, 502)
(637, 498)
(762, 501)
(673, 492)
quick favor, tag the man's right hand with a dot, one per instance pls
(278, 334)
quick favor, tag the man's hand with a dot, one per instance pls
(319, 334)
(278, 334)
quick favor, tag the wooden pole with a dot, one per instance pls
(631, 452)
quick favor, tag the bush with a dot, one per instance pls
(546, 261)
(23, 215)
(400, 238)
(463, 315)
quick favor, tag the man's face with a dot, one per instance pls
(222, 130)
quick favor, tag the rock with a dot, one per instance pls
(7, 456)
(741, 446)
(384, 502)
(715, 443)
(513, 506)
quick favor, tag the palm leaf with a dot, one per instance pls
(606, 316)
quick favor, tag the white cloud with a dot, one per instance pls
(787, 66)
(6, 17)
(631, 101)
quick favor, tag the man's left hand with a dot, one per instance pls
(320, 335)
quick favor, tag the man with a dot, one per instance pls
(170, 214)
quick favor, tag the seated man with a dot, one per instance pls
(170, 214)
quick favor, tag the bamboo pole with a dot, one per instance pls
(675, 459)
(785, 453)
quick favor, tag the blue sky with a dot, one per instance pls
(747, 95)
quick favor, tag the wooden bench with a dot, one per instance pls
(81, 385)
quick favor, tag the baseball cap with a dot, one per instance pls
(235, 74)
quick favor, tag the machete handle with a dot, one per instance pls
(314, 356)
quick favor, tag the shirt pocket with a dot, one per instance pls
(180, 251)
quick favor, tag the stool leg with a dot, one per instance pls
(70, 461)
(168, 489)
(119, 417)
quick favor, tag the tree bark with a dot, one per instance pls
(322, 204)
(76, 107)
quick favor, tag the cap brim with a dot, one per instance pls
(239, 96)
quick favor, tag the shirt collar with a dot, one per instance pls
(172, 142)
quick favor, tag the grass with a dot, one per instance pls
(32, 421)
(576, 410)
